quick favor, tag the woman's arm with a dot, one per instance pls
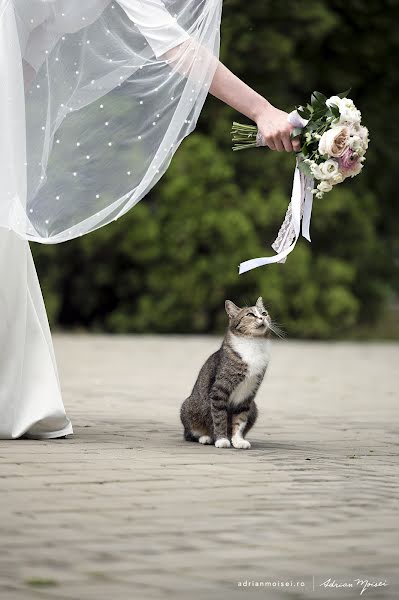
(169, 41)
(271, 122)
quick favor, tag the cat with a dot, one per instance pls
(222, 406)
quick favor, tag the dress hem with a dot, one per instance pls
(68, 430)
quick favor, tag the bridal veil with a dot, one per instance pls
(111, 89)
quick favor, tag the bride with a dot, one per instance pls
(95, 98)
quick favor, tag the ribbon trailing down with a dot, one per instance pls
(298, 213)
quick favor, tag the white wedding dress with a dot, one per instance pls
(67, 68)
(30, 396)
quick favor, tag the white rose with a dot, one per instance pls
(348, 112)
(364, 136)
(336, 100)
(357, 145)
(350, 116)
(315, 170)
(335, 141)
(356, 142)
(329, 168)
(338, 178)
(324, 186)
(348, 103)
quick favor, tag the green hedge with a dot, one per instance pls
(169, 264)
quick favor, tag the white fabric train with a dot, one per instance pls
(30, 396)
(95, 98)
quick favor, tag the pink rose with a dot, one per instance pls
(350, 163)
(347, 159)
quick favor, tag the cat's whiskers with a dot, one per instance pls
(277, 330)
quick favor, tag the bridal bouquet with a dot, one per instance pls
(333, 148)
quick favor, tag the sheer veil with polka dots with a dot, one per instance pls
(95, 98)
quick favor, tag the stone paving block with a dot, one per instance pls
(126, 509)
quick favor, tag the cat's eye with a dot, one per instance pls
(250, 314)
(264, 314)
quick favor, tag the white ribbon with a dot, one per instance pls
(299, 210)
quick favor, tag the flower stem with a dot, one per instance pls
(244, 136)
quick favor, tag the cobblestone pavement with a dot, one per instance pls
(126, 509)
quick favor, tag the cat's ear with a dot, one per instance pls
(231, 309)
(259, 304)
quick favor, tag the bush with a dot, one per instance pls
(169, 264)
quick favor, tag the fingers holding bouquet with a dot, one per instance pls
(275, 131)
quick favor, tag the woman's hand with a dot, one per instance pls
(274, 126)
(272, 123)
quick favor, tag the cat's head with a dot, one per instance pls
(250, 321)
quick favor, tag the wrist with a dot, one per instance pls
(260, 106)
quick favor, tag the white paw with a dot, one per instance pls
(205, 439)
(240, 443)
(222, 443)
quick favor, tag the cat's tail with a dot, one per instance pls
(188, 435)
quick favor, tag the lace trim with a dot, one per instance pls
(260, 140)
(286, 234)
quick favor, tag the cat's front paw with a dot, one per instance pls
(205, 439)
(222, 443)
(240, 443)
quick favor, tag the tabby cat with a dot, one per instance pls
(222, 406)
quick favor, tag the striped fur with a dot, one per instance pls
(221, 408)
